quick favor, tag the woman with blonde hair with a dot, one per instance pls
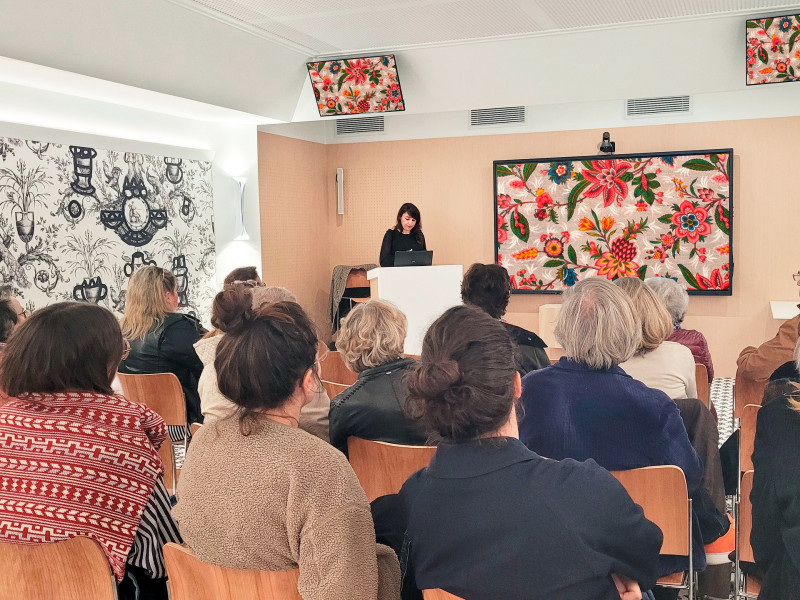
(659, 364)
(161, 339)
(371, 341)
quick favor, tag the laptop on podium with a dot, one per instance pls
(413, 258)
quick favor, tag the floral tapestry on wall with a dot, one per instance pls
(356, 85)
(560, 220)
(773, 51)
(76, 222)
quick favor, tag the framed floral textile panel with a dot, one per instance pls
(560, 220)
(773, 49)
(349, 86)
(76, 222)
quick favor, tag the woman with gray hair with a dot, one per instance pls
(371, 341)
(585, 406)
(676, 300)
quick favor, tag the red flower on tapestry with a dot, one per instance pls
(517, 184)
(690, 222)
(716, 281)
(356, 72)
(705, 194)
(604, 179)
(553, 247)
(502, 234)
(503, 201)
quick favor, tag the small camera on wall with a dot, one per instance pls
(607, 145)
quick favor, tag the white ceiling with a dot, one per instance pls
(364, 25)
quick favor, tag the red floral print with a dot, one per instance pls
(690, 222)
(604, 179)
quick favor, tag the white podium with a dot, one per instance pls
(422, 293)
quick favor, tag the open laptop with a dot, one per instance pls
(413, 258)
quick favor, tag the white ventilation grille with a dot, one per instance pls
(491, 117)
(646, 107)
(360, 125)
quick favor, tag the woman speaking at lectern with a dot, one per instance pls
(405, 235)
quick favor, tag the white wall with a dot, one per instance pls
(232, 146)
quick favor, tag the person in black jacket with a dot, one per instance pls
(489, 288)
(404, 236)
(371, 344)
(776, 496)
(489, 519)
(162, 340)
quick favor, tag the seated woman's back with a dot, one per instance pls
(489, 518)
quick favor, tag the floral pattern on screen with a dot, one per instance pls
(773, 51)
(356, 85)
(655, 215)
(76, 222)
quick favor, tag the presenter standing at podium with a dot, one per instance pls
(404, 236)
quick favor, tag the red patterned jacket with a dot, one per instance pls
(77, 463)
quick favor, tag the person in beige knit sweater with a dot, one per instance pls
(214, 405)
(257, 492)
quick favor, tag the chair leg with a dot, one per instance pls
(692, 574)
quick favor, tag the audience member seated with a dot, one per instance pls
(489, 518)
(257, 492)
(100, 450)
(370, 342)
(585, 406)
(8, 321)
(776, 497)
(676, 300)
(755, 365)
(244, 275)
(489, 288)
(661, 365)
(162, 340)
(214, 405)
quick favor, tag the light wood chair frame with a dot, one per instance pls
(703, 387)
(439, 594)
(364, 454)
(747, 435)
(744, 551)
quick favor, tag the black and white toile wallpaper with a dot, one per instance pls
(76, 222)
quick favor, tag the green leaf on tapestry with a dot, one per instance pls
(642, 270)
(665, 219)
(346, 63)
(637, 191)
(654, 184)
(341, 80)
(649, 197)
(588, 165)
(572, 199)
(762, 55)
(572, 255)
(793, 39)
(713, 158)
(676, 248)
(626, 176)
(722, 215)
(519, 225)
(767, 23)
(753, 25)
(692, 252)
(503, 171)
(553, 216)
(698, 164)
(528, 170)
(687, 275)
(555, 262)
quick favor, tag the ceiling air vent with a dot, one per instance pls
(489, 117)
(646, 107)
(360, 125)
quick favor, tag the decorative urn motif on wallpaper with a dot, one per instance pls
(76, 222)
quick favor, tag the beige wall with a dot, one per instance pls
(451, 181)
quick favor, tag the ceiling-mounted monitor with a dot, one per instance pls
(349, 86)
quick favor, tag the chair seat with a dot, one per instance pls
(673, 579)
(752, 585)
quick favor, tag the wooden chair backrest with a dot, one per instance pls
(161, 392)
(333, 389)
(191, 579)
(383, 468)
(662, 494)
(333, 370)
(703, 387)
(746, 392)
(745, 518)
(357, 278)
(747, 436)
(75, 568)
(194, 428)
(438, 594)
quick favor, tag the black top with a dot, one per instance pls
(372, 408)
(396, 241)
(529, 349)
(787, 370)
(169, 348)
(491, 520)
(776, 501)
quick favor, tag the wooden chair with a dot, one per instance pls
(356, 279)
(333, 369)
(161, 392)
(661, 492)
(191, 579)
(383, 468)
(747, 587)
(438, 594)
(75, 568)
(747, 436)
(333, 389)
(703, 387)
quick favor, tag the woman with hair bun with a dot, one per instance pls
(257, 492)
(490, 519)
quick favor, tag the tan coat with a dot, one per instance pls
(755, 365)
(215, 405)
(277, 499)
